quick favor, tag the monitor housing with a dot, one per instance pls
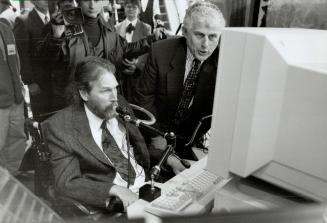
(270, 108)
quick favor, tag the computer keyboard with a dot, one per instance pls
(178, 198)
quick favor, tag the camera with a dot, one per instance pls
(72, 16)
(73, 20)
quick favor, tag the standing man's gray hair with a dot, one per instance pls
(202, 9)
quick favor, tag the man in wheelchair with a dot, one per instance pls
(96, 158)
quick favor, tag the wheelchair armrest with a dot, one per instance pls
(70, 207)
(78, 206)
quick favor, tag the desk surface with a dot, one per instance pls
(237, 195)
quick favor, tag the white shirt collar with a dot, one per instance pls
(189, 56)
(127, 22)
(189, 63)
(42, 15)
(94, 121)
(112, 124)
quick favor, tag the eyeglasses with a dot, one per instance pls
(130, 6)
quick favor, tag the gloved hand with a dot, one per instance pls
(130, 66)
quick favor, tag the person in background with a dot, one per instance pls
(64, 51)
(179, 78)
(7, 13)
(28, 32)
(108, 14)
(148, 10)
(12, 135)
(132, 29)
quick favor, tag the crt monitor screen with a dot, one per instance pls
(270, 108)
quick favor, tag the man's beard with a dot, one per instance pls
(110, 111)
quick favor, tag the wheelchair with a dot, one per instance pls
(37, 158)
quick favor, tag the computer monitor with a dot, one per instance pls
(270, 108)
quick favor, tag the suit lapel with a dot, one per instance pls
(175, 76)
(83, 133)
(35, 19)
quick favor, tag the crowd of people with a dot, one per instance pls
(82, 72)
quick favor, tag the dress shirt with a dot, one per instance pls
(189, 63)
(128, 36)
(42, 15)
(119, 134)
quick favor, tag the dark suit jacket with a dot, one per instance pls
(160, 87)
(28, 32)
(81, 171)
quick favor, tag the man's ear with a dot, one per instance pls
(84, 95)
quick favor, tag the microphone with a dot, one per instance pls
(149, 192)
(122, 111)
(170, 137)
(127, 117)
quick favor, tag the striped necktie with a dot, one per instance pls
(120, 162)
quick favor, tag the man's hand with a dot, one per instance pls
(175, 164)
(124, 194)
(159, 142)
(130, 66)
(56, 23)
(34, 89)
(159, 33)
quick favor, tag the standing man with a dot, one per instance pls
(94, 154)
(12, 135)
(132, 29)
(28, 32)
(179, 79)
(149, 9)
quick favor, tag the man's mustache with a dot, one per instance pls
(112, 106)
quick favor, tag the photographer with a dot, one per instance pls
(64, 48)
